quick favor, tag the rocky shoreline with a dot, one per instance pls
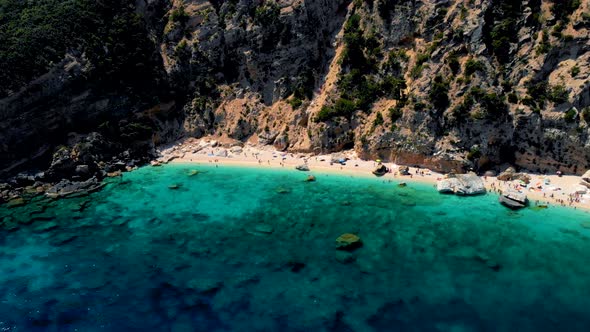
(69, 175)
(79, 169)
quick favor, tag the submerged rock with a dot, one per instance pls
(61, 238)
(67, 188)
(348, 241)
(16, 202)
(45, 226)
(344, 257)
(282, 190)
(262, 229)
(114, 174)
(462, 184)
(295, 267)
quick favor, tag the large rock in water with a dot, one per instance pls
(462, 184)
(513, 199)
(348, 241)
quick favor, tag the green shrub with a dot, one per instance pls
(182, 51)
(570, 116)
(453, 63)
(394, 86)
(267, 14)
(355, 43)
(439, 93)
(538, 94)
(422, 58)
(359, 58)
(544, 46)
(512, 98)
(324, 114)
(492, 103)
(362, 89)
(417, 71)
(342, 107)
(179, 15)
(472, 66)
(557, 29)
(394, 59)
(378, 120)
(563, 8)
(419, 106)
(558, 94)
(575, 71)
(35, 35)
(501, 35)
(586, 114)
(474, 153)
(395, 113)
(461, 110)
(295, 102)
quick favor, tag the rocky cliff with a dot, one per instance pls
(450, 85)
(443, 84)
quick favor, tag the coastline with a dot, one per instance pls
(206, 151)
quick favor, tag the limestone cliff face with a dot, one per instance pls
(450, 85)
(476, 84)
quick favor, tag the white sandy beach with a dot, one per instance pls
(548, 190)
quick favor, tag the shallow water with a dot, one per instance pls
(245, 249)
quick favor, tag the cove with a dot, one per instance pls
(199, 248)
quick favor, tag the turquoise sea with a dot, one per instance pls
(249, 249)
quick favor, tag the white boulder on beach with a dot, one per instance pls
(461, 184)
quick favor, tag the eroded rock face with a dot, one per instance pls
(462, 184)
(270, 59)
(264, 70)
(513, 199)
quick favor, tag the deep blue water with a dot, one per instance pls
(245, 249)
